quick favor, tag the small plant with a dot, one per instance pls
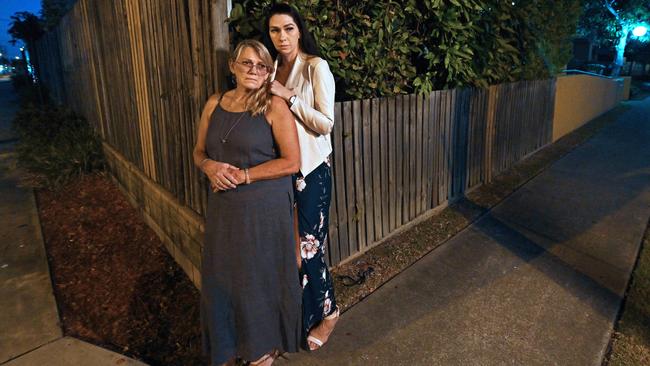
(55, 144)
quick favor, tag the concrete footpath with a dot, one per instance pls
(30, 332)
(538, 280)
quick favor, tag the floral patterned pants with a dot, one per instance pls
(313, 194)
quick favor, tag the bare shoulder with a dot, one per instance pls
(278, 110)
(214, 99)
(211, 104)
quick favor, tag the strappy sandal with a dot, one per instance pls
(320, 342)
(263, 360)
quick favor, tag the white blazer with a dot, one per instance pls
(313, 83)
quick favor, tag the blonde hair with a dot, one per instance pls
(259, 101)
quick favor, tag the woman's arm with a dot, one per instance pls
(320, 118)
(218, 173)
(286, 137)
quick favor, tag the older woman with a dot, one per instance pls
(247, 146)
(306, 84)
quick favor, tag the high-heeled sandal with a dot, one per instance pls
(320, 342)
(272, 355)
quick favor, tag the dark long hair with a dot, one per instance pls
(307, 42)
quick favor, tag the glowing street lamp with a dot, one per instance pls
(639, 31)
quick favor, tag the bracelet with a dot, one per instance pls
(248, 178)
(203, 161)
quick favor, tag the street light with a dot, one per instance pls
(639, 31)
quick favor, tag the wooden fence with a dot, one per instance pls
(141, 71)
(396, 158)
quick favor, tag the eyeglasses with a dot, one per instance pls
(260, 69)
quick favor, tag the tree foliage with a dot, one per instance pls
(603, 21)
(597, 24)
(609, 23)
(25, 26)
(53, 10)
(388, 47)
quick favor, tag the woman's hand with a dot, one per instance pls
(220, 175)
(239, 175)
(280, 90)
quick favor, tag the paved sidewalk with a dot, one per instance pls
(30, 333)
(538, 280)
(29, 317)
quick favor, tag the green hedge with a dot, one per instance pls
(387, 47)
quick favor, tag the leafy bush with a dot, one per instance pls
(378, 48)
(29, 92)
(368, 44)
(21, 81)
(56, 144)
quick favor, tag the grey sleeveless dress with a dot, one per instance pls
(250, 291)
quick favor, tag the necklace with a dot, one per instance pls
(224, 139)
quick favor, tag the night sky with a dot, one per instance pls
(7, 9)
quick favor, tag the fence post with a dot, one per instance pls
(220, 43)
(493, 96)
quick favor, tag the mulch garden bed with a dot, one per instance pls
(114, 282)
(116, 286)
